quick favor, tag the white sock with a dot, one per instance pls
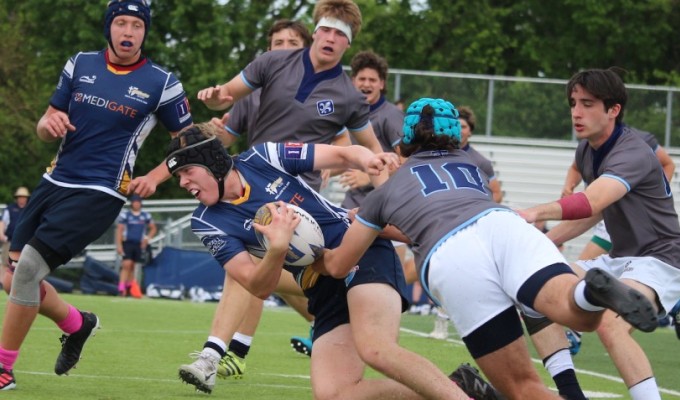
(245, 339)
(559, 362)
(645, 390)
(580, 298)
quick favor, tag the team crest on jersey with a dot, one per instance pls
(273, 187)
(214, 245)
(325, 107)
(134, 93)
(248, 224)
(88, 79)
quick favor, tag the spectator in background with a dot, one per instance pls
(134, 231)
(10, 217)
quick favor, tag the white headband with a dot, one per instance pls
(337, 24)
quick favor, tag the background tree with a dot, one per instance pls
(206, 42)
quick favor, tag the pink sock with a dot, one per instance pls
(8, 358)
(121, 286)
(72, 322)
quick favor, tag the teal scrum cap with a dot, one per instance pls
(444, 121)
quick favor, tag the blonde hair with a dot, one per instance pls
(345, 10)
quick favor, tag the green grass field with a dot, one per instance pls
(142, 343)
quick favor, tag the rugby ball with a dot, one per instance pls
(307, 243)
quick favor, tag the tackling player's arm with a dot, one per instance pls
(261, 278)
(340, 261)
(602, 192)
(567, 230)
(366, 137)
(359, 157)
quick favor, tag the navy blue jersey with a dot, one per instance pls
(113, 109)
(136, 225)
(270, 173)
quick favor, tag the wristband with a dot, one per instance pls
(575, 206)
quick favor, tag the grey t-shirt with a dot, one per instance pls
(644, 222)
(387, 121)
(297, 104)
(429, 198)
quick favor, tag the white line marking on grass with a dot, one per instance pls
(537, 361)
(135, 378)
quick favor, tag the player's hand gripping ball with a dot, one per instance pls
(307, 243)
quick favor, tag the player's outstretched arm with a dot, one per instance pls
(357, 157)
(221, 97)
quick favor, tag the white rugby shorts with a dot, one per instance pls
(476, 273)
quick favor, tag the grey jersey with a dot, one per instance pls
(387, 121)
(297, 104)
(644, 221)
(430, 198)
(648, 138)
(481, 161)
(243, 118)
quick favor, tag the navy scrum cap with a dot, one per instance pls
(135, 8)
(193, 147)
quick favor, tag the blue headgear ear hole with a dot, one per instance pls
(445, 119)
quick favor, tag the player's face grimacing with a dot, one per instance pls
(200, 183)
(127, 36)
(369, 83)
